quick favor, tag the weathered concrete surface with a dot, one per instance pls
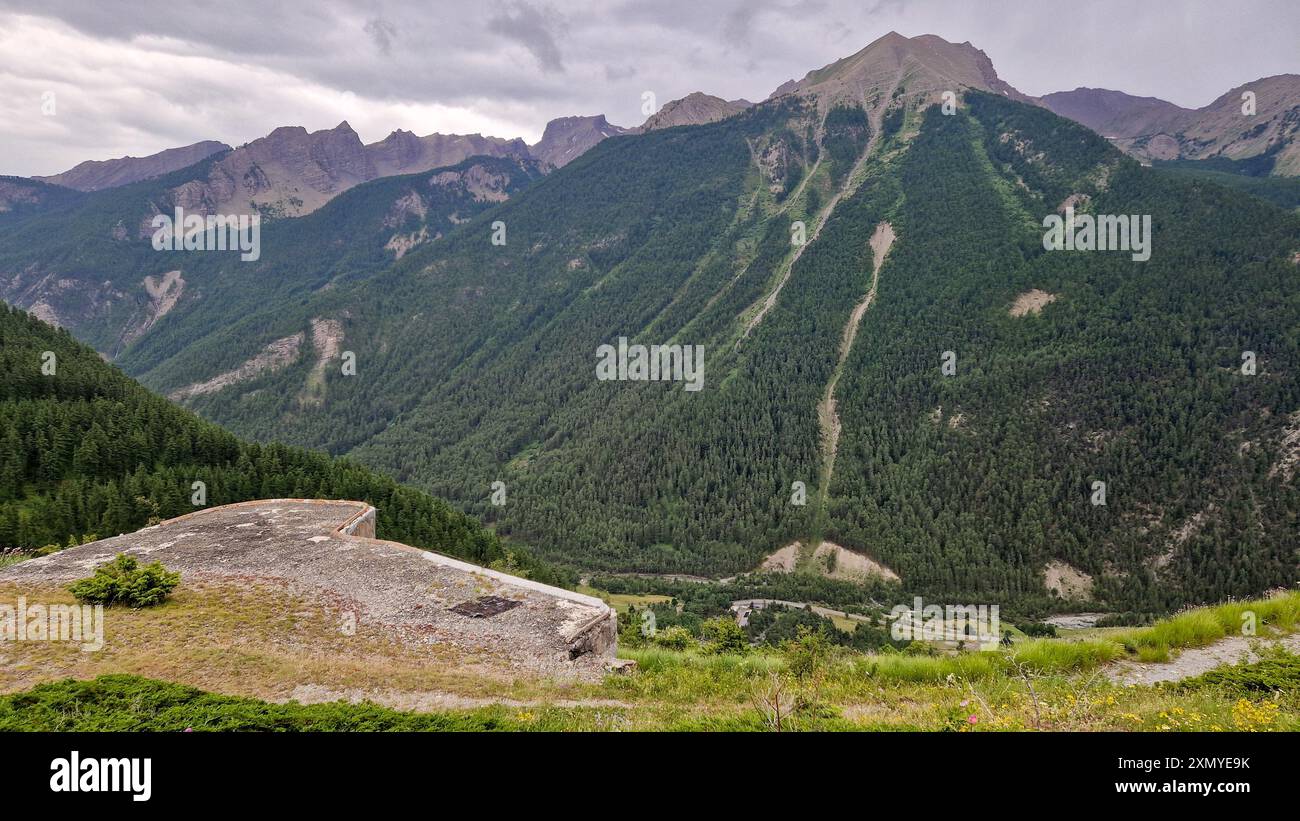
(327, 547)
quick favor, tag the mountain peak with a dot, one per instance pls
(696, 108)
(566, 138)
(923, 64)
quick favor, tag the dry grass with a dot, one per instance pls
(262, 641)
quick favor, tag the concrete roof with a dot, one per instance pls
(310, 545)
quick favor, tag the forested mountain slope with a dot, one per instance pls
(87, 451)
(476, 362)
(85, 262)
(1132, 376)
(824, 414)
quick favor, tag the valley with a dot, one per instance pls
(674, 426)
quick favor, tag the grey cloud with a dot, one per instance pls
(382, 33)
(532, 28)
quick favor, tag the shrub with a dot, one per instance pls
(675, 637)
(1039, 629)
(723, 635)
(1126, 619)
(124, 581)
(806, 654)
(1277, 671)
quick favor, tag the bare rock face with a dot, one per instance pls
(928, 64)
(287, 173)
(62, 301)
(292, 172)
(96, 175)
(567, 138)
(477, 181)
(696, 108)
(402, 152)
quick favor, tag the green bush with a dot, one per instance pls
(118, 703)
(1277, 671)
(124, 581)
(807, 653)
(675, 637)
(723, 636)
(1039, 629)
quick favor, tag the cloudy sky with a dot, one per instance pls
(132, 78)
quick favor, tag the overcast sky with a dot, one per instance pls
(132, 78)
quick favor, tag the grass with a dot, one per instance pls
(131, 703)
(1197, 628)
(235, 656)
(12, 557)
(622, 601)
(263, 642)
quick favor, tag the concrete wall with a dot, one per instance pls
(362, 525)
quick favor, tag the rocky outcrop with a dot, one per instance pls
(697, 108)
(287, 173)
(567, 138)
(1152, 129)
(402, 152)
(292, 172)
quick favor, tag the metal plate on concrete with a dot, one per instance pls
(485, 606)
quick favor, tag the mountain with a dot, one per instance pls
(820, 257)
(694, 109)
(1266, 141)
(924, 64)
(568, 138)
(289, 172)
(292, 172)
(1113, 113)
(71, 259)
(94, 175)
(822, 376)
(404, 153)
(88, 454)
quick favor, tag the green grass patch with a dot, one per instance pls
(130, 703)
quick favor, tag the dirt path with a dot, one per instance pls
(1197, 660)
